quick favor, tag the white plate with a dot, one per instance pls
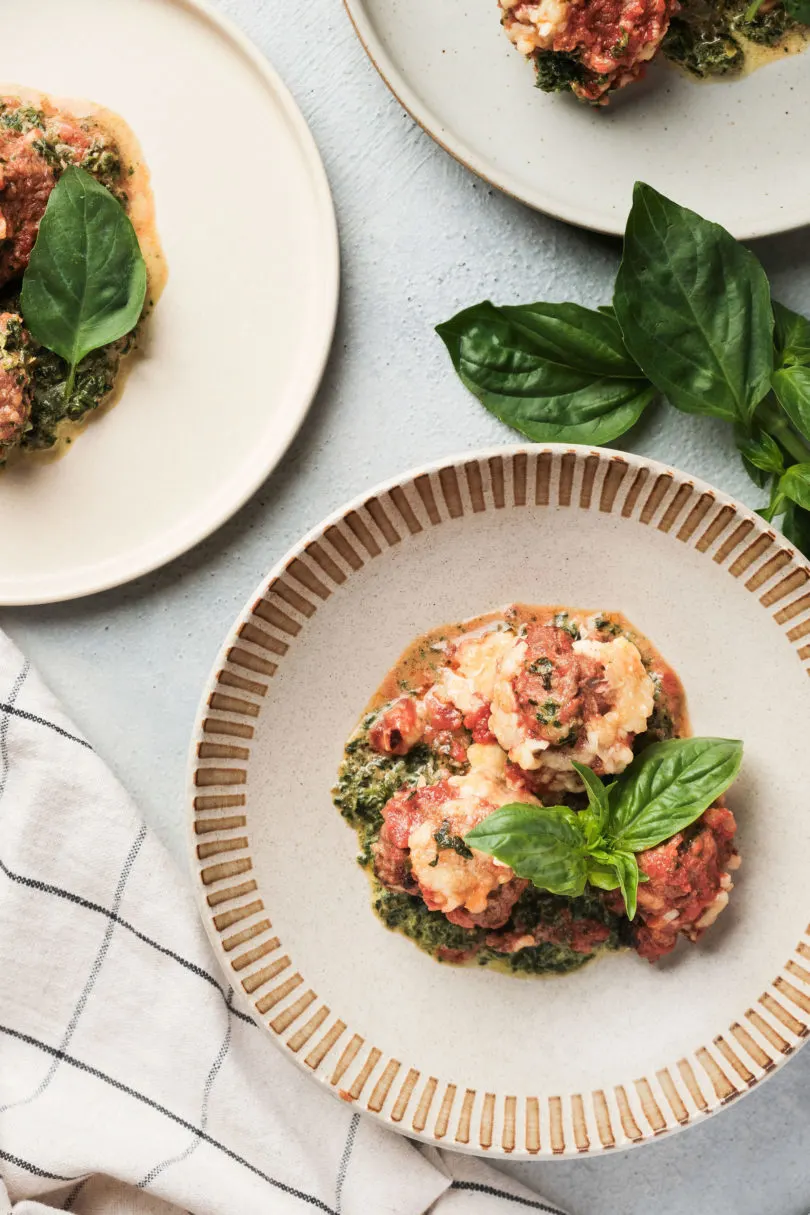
(732, 151)
(621, 1051)
(240, 335)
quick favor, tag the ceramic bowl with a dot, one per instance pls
(620, 1051)
(729, 150)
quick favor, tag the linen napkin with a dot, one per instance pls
(130, 1075)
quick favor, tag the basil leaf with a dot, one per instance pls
(616, 870)
(85, 283)
(694, 309)
(761, 450)
(791, 336)
(760, 479)
(554, 372)
(761, 455)
(602, 871)
(545, 844)
(597, 795)
(799, 10)
(792, 388)
(627, 872)
(791, 379)
(795, 484)
(667, 787)
(776, 504)
(796, 528)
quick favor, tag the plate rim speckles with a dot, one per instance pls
(307, 1024)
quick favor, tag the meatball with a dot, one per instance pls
(556, 700)
(421, 844)
(588, 46)
(688, 884)
(29, 166)
(549, 699)
(582, 935)
(497, 910)
(546, 691)
(402, 813)
(26, 181)
(15, 380)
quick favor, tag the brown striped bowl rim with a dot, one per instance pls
(554, 1127)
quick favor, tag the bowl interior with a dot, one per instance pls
(619, 1018)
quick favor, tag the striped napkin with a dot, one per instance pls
(131, 1079)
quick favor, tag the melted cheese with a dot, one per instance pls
(447, 879)
(534, 26)
(633, 693)
(504, 721)
(605, 735)
(469, 684)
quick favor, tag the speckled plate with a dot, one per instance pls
(618, 1052)
(239, 338)
(730, 150)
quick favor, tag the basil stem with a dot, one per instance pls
(773, 419)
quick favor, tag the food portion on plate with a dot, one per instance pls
(80, 263)
(527, 794)
(593, 47)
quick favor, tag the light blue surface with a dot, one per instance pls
(420, 238)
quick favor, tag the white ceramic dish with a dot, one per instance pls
(731, 150)
(240, 335)
(620, 1051)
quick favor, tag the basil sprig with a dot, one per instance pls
(663, 791)
(692, 319)
(85, 283)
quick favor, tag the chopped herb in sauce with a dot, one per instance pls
(606, 626)
(444, 840)
(543, 667)
(563, 621)
(547, 714)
